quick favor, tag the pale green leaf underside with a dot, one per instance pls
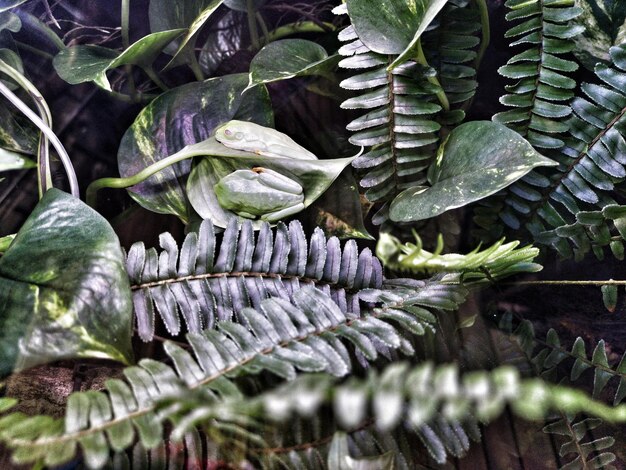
(477, 160)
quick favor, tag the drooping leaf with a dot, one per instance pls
(289, 58)
(394, 26)
(315, 176)
(64, 292)
(14, 161)
(605, 26)
(10, 21)
(184, 116)
(477, 159)
(187, 43)
(88, 63)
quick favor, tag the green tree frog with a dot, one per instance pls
(251, 137)
(260, 193)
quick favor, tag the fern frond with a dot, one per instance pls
(546, 355)
(573, 210)
(541, 95)
(399, 127)
(494, 263)
(450, 48)
(307, 334)
(575, 432)
(207, 282)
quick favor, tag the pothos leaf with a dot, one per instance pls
(184, 116)
(89, 63)
(393, 26)
(605, 26)
(64, 292)
(477, 160)
(242, 5)
(315, 176)
(289, 58)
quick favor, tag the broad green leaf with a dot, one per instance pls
(12, 59)
(477, 160)
(315, 176)
(289, 58)
(90, 63)
(605, 26)
(609, 296)
(14, 161)
(187, 44)
(393, 26)
(64, 292)
(184, 116)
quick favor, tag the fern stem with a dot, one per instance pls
(486, 30)
(609, 282)
(441, 95)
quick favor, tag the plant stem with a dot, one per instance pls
(195, 66)
(120, 183)
(155, 78)
(486, 31)
(254, 32)
(296, 28)
(441, 95)
(43, 126)
(608, 282)
(125, 23)
(263, 25)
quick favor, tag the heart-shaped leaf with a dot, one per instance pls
(64, 291)
(184, 116)
(315, 176)
(88, 63)
(289, 58)
(393, 26)
(477, 160)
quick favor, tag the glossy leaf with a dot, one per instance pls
(64, 292)
(88, 63)
(14, 161)
(315, 176)
(394, 26)
(605, 26)
(477, 160)
(289, 58)
(184, 116)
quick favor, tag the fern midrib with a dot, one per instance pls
(579, 450)
(392, 126)
(151, 407)
(248, 274)
(557, 181)
(539, 70)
